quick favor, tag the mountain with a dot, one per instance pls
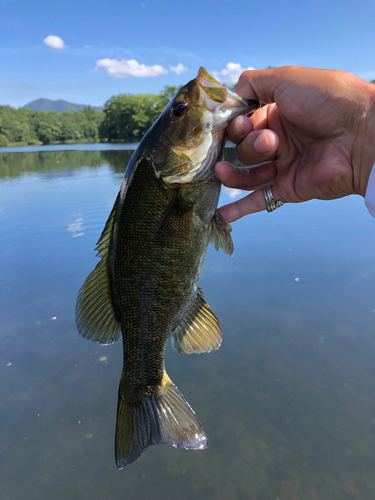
(59, 106)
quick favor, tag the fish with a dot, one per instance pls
(152, 249)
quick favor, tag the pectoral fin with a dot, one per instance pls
(176, 214)
(95, 315)
(200, 331)
(219, 234)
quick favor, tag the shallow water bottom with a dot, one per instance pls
(287, 402)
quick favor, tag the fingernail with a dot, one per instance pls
(262, 144)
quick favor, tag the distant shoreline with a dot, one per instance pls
(56, 143)
(74, 145)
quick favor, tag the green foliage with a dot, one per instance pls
(25, 126)
(3, 140)
(126, 117)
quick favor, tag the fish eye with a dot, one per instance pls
(180, 108)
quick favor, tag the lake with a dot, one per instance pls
(287, 402)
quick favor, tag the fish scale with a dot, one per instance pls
(152, 261)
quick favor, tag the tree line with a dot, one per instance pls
(125, 118)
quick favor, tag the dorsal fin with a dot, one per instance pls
(95, 315)
(199, 331)
(219, 234)
(103, 244)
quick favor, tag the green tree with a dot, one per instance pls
(3, 140)
(127, 117)
(48, 132)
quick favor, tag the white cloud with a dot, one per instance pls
(122, 69)
(179, 69)
(230, 74)
(54, 42)
(233, 193)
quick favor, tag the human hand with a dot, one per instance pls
(317, 135)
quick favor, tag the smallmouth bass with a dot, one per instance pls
(152, 251)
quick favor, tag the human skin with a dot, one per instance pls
(316, 133)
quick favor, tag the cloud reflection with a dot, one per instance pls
(77, 227)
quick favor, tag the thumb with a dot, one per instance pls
(261, 84)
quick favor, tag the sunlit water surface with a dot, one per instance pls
(287, 402)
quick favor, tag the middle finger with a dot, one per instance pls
(258, 146)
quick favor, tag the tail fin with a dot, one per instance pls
(160, 419)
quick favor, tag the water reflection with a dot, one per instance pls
(77, 227)
(287, 403)
(62, 162)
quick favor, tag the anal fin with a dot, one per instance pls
(199, 331)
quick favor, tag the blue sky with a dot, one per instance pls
(99, 49)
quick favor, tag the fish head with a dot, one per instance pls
(193, 129)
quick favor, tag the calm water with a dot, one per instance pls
(288, 401)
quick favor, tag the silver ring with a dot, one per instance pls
(271, 204)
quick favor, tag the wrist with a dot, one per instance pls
(364, 152)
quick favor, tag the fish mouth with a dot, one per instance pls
(221, 102)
